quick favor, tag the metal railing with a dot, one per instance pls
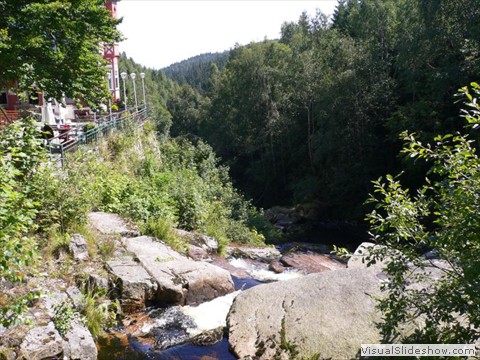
(70, 139)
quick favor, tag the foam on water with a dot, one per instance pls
(210, 315)
(261, 273)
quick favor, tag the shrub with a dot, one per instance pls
(21, 155)
(442, 216)
(163, 230)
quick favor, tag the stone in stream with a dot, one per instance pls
(311, 263)
(265, 254)
(180, 280)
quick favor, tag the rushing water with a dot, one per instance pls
(178, 324)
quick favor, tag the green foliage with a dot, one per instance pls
(13, 310)
(56, 46)
(164, 230)
(63, 316)
(97, 312)
(442, 216)
(21, 157)
(196, 71)
(313, 117)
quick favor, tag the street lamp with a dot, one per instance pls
(142, 75)
(124, 76)
(133, 76)
(109, 76)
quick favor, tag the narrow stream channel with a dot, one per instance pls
(119, 346)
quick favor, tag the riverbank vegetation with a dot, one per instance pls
(157, 184)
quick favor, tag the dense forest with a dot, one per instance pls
(196, 71)
(315, 116)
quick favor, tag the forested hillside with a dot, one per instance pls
(314, 117)
(196, 71)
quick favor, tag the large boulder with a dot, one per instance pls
(330, 313)
(180, 280)
(134, 283)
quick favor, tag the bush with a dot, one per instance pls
(442, 216)
(21, 155)
(164, 230)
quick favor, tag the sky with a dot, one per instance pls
(162, 32)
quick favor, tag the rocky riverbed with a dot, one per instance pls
(286, 302)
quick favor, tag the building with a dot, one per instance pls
(14, 104)
(111, 54)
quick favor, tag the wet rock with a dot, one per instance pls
(134, 283)
(276, 266)
(80, 343)
(111, 224)
(199, 325)
(180, 280)
(42, 342)
(78, 248)
(311, 263)
(208, 338)
(172, 328)
(265, 254)
(207, 243)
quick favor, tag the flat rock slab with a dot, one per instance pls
(329, 313)
(180, 280)
(111, 224)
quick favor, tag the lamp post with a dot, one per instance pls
(134, 76)
(124, 76)
(142, 75)
(109, 76)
